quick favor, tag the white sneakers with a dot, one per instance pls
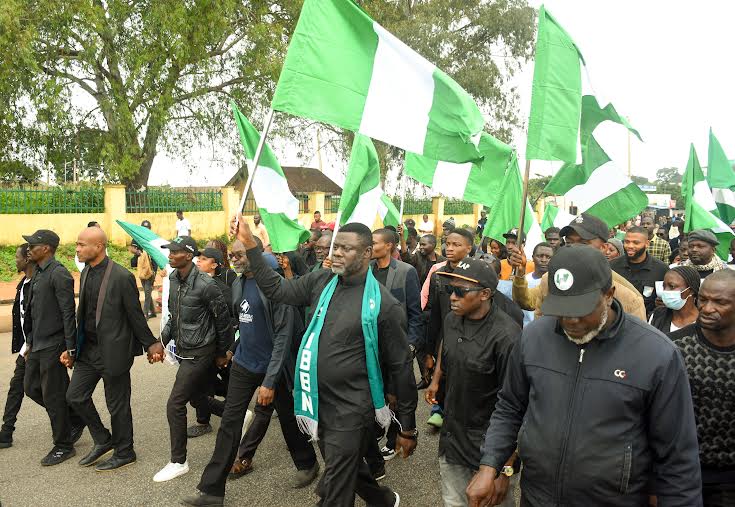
(171, 471)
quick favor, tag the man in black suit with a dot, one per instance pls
(111, 331)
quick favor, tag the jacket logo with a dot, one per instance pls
(463, 265)
(620, 373)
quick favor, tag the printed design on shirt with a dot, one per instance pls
(563, 279)
(620, 373)
(245, 316)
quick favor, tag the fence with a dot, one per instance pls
(52, 201)
(457, 207)
(251, 206)
(332, 203)
(161, 200)
(414, 206)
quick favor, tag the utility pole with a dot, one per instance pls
(628, 119)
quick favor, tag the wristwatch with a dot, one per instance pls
(412, 348)
(507, 471)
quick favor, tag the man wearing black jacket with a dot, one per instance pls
(53, 331)
(201, 328)
(596, 401)
(112, 330)
(346, 410)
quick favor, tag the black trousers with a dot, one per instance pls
(374, 457)
(718, 495)
(88, 370)
(15, 396)
(45, 382)
(218, 379)
(345, 472)
(243, 384)
(189, 386)
(301, 450)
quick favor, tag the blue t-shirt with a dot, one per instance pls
(256, 345)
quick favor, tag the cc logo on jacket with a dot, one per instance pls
(620, 373)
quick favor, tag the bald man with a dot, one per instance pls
(111, 331)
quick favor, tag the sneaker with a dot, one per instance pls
(76, 433)
(378, 473)
(57, 456)
(436, 420)
(6, 439)
(197, 430)
(171, 471)
(388, 454)
(398, 500)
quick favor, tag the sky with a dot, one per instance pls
(666, 65)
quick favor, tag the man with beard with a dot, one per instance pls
(702, 255)
(424, 258)
(339, 393)
(658, 247)
(708, 347)
(626, 427)
(639, 267)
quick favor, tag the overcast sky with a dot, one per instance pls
(666, 65)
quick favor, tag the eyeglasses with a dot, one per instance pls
(236, 256)
(461, 292)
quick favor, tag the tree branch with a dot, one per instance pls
(81, 82)
(209, 89)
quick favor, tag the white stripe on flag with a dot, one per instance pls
(604, 182)
(272, 193)
(724, 196)
(533, 238)
(367, 208)
(400, 94)
(451, 179)
(562, 219)
(703, 196)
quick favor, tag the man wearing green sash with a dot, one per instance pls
(338, 392)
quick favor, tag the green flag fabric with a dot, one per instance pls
(277, 206)
(362, 197)
(721, 179)
(553, 125)
(474, 182)
(148, 241)
(344, 69)
(694, 184)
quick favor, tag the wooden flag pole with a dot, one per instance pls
(334, 234)
(256, 158)
(522, 219)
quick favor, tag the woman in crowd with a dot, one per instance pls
(681, 288)
(225, 273)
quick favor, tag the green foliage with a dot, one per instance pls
(13, 171)
(668, 175)
(52, 200)
(457, 207)
(640, 180)
(536, 189)
(668, 181)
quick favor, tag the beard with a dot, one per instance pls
(638, 253)
(587, 337)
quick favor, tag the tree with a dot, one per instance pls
(668, 181)
(667, 175)
(536, 189)
(147, 74)
(640, 180)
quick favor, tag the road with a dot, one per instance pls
(25, 483)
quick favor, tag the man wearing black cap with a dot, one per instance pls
(53, 331)
(603, 401)
(477, 342)
(511, 241)
(200, 326)
(584, 230)
(702, 255)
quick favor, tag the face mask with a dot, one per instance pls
(672, 299)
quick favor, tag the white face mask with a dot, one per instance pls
(672, 299)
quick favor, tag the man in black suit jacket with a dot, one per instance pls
(111, 331)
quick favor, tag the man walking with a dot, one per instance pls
(424, 258)
(200, 327)
(702, 255)
(183, 226)
(53, 331)
(626, 427)
(112, 330)
(339, 393)
(478, 339)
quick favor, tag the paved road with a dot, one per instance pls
(24, 482)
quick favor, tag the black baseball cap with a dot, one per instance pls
(43, 237)
(213, 253)
(577, 274)
(588, 227)
(182, 243)
(146, 223)
(513, 233)
(475, 271)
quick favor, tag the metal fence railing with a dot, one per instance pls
(52, 200)
(457, 207)
(161, 200)
(251, 206)
(413, 206)
(331, 202)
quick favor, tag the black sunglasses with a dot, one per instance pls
(461, 292)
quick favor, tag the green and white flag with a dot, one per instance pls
(362, 197)
(344, 69)
(721, 179)
(477, 183)
(277, 206)
(555, 217)
(148, 241)
(505, 214)
(696, 214)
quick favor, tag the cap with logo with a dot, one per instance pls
(577, 274)
(588, 227)
(182, 243)
(43, 237)
(146, 223)
(703, 235)
(475, 271)
(513, 233)
(213, 253)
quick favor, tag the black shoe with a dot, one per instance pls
(203, 500)
(197, 430)
(378, 473)
(305, 477)
(95, 454)
(76, 433)
(114, 463)
(57, 456)
(6, 439)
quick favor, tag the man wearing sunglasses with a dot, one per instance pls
(478, 339)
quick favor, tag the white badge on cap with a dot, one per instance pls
(563, 279)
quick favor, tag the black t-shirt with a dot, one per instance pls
(381, 274)
(92, 287)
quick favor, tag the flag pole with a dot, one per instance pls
(523, 207)
(403, 197)
(256, 158)
(334, 234)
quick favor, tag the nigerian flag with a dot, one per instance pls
(555, 217)
(148, 241)
(477, 183)
(505, 214)
(695, 192)
(362, 197)
(277, 206)
(345, 69)
(721, 179)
